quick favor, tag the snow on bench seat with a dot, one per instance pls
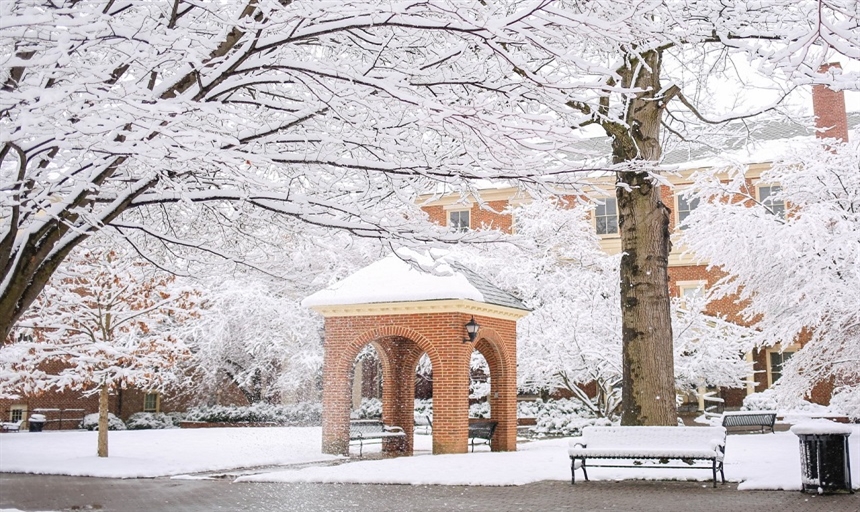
(686, 444)
(365, 431)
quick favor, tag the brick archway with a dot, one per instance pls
(503, 387)
(401, 337)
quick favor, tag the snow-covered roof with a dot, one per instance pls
(411, 276)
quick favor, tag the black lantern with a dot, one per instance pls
(472, 329)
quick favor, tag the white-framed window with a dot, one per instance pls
(606, 217)
(765, 197)
(691, 289)
(775, 360)
(459, 220)
(150, 402)
(17, 413)
(686, 204)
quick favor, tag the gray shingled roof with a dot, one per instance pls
(759, 131)
(492, 294)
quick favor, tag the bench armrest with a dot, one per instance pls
(392, 429)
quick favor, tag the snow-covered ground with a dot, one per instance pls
(757, 461)
(151, 453)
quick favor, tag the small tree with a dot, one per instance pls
(109, 322)
(260, 340)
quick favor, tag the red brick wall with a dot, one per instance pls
(478, 217)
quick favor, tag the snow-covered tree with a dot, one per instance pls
(104, 322)
(796, 274)
(251, 335)
(141, 116)
(130, 114)
(252, 328)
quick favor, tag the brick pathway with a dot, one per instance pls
(33, 492)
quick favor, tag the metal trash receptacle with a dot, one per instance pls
(825, 461)
(37, 422)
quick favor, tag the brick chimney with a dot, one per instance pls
(829, 109)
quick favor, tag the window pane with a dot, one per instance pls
(150, 402)
(765, 196)
(685, 206)
(459, 220)
(606, 217)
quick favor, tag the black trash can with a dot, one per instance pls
(37, 422)
(825, 463)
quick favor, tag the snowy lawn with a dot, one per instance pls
(151, 453)
(758, 461)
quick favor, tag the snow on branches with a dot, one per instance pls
(796, 274)
(104, 321)
(264, 342)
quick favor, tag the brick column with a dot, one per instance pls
(398, 391)
(451, 389)
(336, 398)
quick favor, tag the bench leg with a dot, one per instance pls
(573, 470)
(715, 473)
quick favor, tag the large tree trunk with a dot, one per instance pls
(103, 421)
(648, 385)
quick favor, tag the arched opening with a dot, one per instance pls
(423, 403)
(480, 382)
(366, 384)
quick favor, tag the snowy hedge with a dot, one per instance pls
(295, 415)
(370, 409)
(560, 417)
(846, 400)
(151, 420)
(91, 422)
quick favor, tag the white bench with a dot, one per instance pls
(370, 431)
(763, 419)
(663, 444)
(11, 426)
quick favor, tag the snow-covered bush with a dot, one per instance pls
(370, 409)
(150, 420)
(564, 418)
(846, 400)
(762, 401)
(479, 410)
(529, 409)
(424, 407)
(771, 400)
(91, 422)
(300, 414)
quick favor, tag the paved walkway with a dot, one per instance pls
(33, 492)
